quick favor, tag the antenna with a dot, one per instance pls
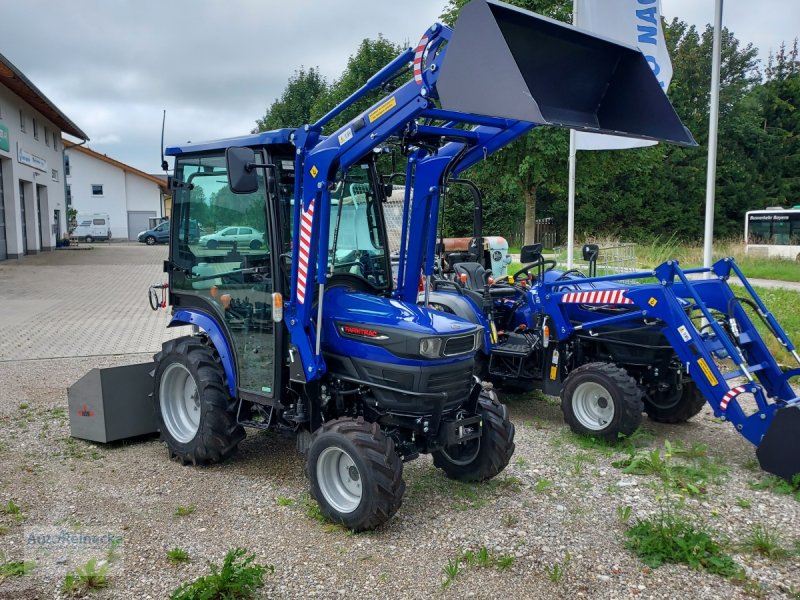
(164, 165)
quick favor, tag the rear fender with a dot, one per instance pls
(217, 337)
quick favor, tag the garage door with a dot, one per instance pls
(138, 221)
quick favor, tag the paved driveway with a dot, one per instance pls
(85, 301)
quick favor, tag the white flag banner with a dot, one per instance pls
(632, 22)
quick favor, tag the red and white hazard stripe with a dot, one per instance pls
(597, 297)
(730, 395)
(306, 221)
(423, 43)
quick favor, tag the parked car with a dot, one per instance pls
(156, 235)
(160, 233)
(244, 237)
(92, 227)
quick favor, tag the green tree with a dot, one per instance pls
(294, 107)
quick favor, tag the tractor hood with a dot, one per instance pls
(508, 62)
(366, 326)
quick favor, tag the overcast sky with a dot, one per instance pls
(112, 66)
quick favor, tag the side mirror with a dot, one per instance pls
(242, 177)
(590, 252)
(530, 254)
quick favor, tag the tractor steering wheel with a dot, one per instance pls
(523, 273)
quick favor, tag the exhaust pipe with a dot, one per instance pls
(507, 62)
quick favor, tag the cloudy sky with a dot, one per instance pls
(113, 65)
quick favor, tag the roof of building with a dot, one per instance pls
(13, 79)
(161, 182)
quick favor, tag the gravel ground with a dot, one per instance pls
(133, 491)
(560, 497)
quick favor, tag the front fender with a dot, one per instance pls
(217, 336)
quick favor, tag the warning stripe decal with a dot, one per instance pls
(423, 43)
(603, 297)
(730, 395)
(306, 221)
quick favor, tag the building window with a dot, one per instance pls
(69, 195)
(46, 137)
(21, 121)
(55, 142)
(54, 175)
(97, 189)
(35, 129)
(66, 165)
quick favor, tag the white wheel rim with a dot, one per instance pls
(339, 480)
(593, 406)
(180, 403)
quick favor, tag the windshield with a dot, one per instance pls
(357, 243)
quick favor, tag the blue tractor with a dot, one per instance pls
(308, 331)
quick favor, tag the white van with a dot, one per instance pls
(92, 227)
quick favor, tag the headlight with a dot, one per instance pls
(430, 347)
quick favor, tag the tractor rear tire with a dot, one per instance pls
(602, 400)
(486, 456)
(195, 413)
(355, 474)
(683, 408)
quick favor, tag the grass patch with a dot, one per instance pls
(744, 503)
(557, 570)
(672, 538)
(765, 543)
(13, 510)
(15, 568)
(778, 485)
(176, 556)
(783, 305)
(86, 578)
(509, 520)
(542, 485)
(238, 578)
(284, 501)
(459, 495)
(185, 511)
(481, 558)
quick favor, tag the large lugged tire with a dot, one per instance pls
(678, 408)
(196, 414)
(483, 457)
(601, 399)
(355, 473)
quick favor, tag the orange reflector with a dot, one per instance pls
(213, 291)
(277, 307)
(226, 301)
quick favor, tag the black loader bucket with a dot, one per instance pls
(779, 450)
(507, 62)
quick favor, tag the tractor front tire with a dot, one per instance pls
(678, 408)
(602, 400)
(355, 474)
(195, 413)
(484, 457)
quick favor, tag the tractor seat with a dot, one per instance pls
(476, 274)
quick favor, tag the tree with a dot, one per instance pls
(294, 107)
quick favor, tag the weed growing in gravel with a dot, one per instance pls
(451, 571)
(588, 442)
(176, 556)
(778, 485)
(624, 513)
(185, 511)
(15, 568)
(284, 501)
(480, 558)
(505, 562)
(557, 570)
(312, 509)
(510, 520)
(764, 542)
(542, 485)
(671, 537)
(744, 503)
(521, 462)
(86, 578)
(13, 510)
(238, 578)
(463, 496)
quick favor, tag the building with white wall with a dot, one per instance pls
(99, 184)
(33, 208)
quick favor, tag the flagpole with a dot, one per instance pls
(713, 131)
(573, 155)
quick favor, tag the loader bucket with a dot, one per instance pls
(506, 62)
(779, 450)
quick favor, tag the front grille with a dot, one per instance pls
(459, 345)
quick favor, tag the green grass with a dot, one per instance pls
(481, 558)
(284, 501)
(764, 542)
(177, 556)
(459, 495)
(85, 579)
(239, 577)
(557, 570)
(778, 485)
(185, 511)
(783, 305)
(672, 538)
(15, 568)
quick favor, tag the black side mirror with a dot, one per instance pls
(530, 254)
(242, 177)
(590, 252)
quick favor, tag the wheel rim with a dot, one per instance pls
(339, 479)
(180, 403)
(151, 241)
(464, 453)
(667, 399)
(593, 406)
